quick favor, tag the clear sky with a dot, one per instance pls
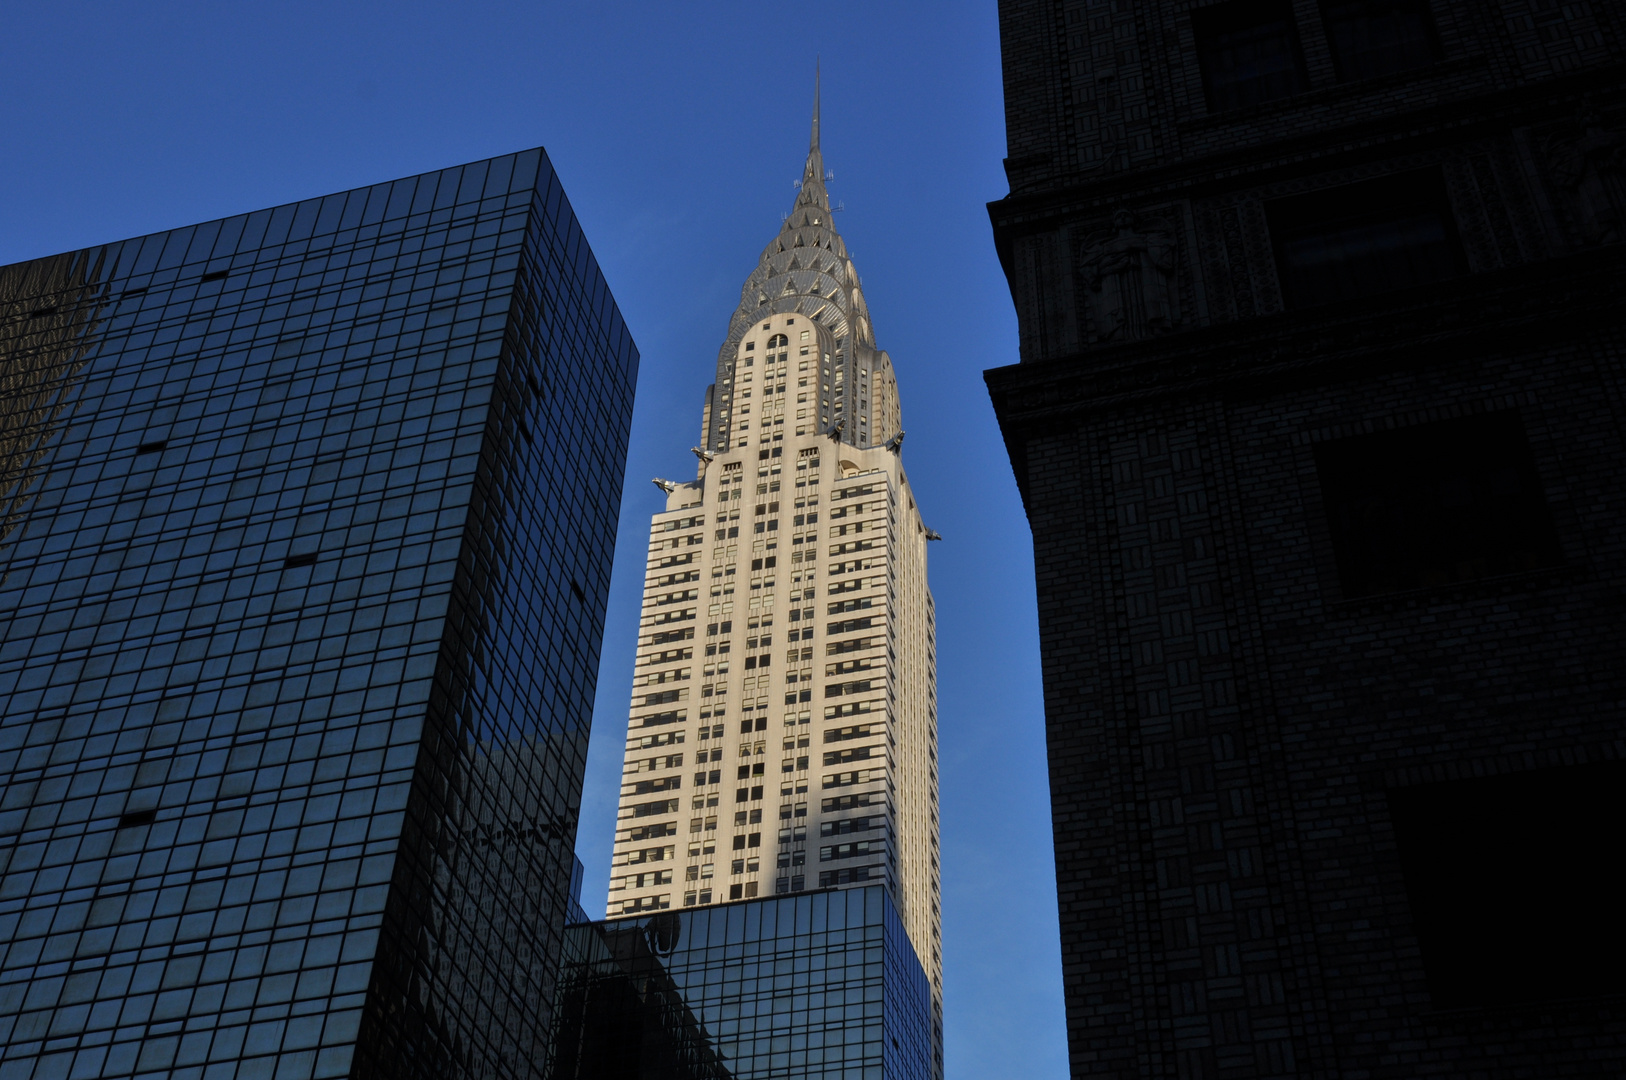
(678, 130)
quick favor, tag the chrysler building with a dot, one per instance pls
(783, 729)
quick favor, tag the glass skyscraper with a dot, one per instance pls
(303, 564)
(819, 986)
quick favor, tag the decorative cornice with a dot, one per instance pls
(1391, 133)
(1432, 326)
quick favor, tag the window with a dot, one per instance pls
(646, 903)
(842, 877)
(647, 832)
(1376, 37)
(1509, 882)
(1249, 53)
(1362, 239)
(1434, 504)
(849, 802)
(850, 825)
(841, 757)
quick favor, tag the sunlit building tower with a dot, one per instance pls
(783, 723)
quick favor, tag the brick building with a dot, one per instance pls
(1318, 428)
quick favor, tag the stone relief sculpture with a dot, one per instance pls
(1130, 277)
(1589, 162)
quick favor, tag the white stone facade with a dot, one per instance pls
(783, 730)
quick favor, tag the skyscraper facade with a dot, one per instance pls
(1317, 426)
(783, 723)
(303, 568)
(820, 985)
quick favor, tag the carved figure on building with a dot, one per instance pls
(1130, 276)
(1590, 164)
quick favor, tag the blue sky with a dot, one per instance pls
(678, 130)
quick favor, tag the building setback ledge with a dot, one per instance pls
(1466, 318)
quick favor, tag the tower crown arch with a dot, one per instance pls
(805, 272)
(786, 337)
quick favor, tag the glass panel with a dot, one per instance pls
(1378, 37)
(1249, 53)
(1364, 239)
(636, 999)
(1435, 504)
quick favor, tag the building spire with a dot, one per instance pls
(812, 185)
(804, 270)
(813, 146)
(814, 173)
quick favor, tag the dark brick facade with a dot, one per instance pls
(1261, 753)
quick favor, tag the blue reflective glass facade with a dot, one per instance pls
(819, 986)
(306, 520)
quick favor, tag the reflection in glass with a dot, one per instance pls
(816, 985)
(1249, 53)
(299, 629)
(49, 312)
(1370, 38)
(1364, 239)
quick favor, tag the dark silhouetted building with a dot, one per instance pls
(1318, 426)
(305, 540)
(816, 985)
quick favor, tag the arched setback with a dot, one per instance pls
(806, 288)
